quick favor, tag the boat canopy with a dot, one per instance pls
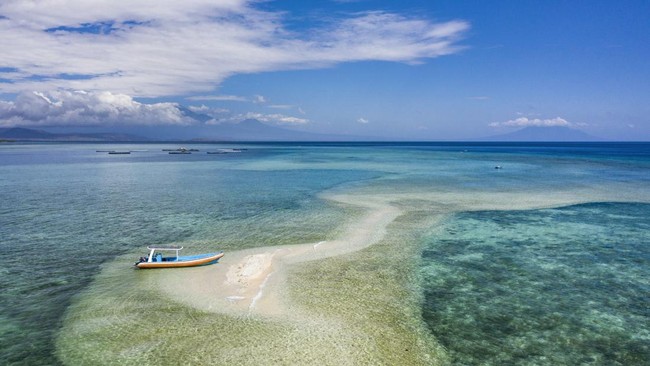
(152, 250)
(167, 247)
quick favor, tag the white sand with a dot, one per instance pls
(252, 281)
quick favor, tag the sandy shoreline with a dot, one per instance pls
(251, 281)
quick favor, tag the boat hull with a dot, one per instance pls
(193, 262)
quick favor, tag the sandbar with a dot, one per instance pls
(251, 281)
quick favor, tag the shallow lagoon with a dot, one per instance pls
(566, 286)
(85, 215)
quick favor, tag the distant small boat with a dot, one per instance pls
(119, 152)
(225, 151)
(180, 150)
(155, 258)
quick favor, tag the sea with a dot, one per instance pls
(502, 254)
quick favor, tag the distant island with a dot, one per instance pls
(28, 134)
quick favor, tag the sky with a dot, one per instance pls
(420, 70)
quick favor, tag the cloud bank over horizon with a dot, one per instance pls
(79, 108)
(536, 122)
(85, 109)
(170, 48)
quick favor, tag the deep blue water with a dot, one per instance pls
(66, 209)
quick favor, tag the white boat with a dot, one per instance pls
(155, 259)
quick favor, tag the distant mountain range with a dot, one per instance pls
(248, 130)
(28, 134)
(254, 130)
(544, 134)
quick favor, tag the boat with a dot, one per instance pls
(180, 150)
(225, 151)
(118, 152)
(155, 259)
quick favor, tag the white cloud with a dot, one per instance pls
(225, 98)
(80, 108)
(537, 122)
(86, 109)
(281, 106)
(259, 99)
(150, 48)
(389, 37)
(292, 120)
(273, 118)
(211, 112)
(362, 120)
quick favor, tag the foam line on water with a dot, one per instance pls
(319, 244)
(260, 293)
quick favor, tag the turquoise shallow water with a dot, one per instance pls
(67, 209)
(561, 286)
(554, 285)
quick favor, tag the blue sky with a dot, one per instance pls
(434, 70)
